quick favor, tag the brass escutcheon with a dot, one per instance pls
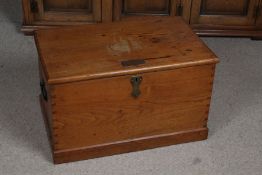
(136, 81)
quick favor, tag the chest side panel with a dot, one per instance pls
(103, 111)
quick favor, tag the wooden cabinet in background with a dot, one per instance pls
(206, 17)
(223, 17)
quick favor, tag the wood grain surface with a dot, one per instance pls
(90, 110)
(73, 54)
(130, 146)
(103, 111)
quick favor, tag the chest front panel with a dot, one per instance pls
(103, 111)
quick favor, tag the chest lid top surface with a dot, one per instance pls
(132, 46)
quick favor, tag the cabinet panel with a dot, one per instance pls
(214, 7)
(61, 12)
(259, 15)
(68, 5)
(146, 6)
(124, 8)
(69, 10)
(224, 12)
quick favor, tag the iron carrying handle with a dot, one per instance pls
(43, 90)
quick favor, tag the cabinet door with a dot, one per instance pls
(224, 12)
(259, 15)
(66, 11)
(123, 8)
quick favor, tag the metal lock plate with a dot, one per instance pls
(136, 81)
(135, 62)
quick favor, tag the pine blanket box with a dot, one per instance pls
(141, 83)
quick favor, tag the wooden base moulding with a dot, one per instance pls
(29, 30)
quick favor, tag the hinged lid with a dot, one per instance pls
(132, 46)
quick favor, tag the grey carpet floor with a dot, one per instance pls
(234, 146)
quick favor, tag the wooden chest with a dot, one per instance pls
(125, 86)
